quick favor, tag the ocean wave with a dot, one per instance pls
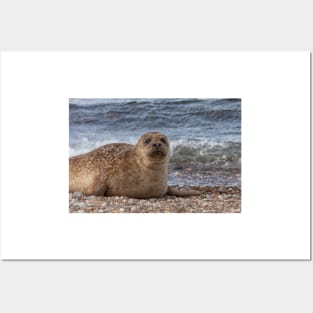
(80, 102)
(139, 117)
(219, 155)
(226, 154)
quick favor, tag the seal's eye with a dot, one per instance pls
(163, 140)
(148, 140)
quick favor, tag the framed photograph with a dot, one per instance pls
(222, 132)
(143, 155)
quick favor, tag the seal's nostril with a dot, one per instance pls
(157, 145)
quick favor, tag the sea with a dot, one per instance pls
(204, 134)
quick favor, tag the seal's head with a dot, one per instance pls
(153, 147)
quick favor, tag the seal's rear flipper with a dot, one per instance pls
(181, 193)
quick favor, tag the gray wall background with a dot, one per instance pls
(95, 286)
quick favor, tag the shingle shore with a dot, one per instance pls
(212, 200)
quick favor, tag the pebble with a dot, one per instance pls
(91, 198)
(81, 204)
(78, 195)
(227, 197)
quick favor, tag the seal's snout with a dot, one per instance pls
(157, 145)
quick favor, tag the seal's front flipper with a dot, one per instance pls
(171, 191)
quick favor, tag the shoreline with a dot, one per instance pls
(219, 199)
(204, 174)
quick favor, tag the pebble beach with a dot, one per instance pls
(210, 200)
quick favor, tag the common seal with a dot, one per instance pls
(121, 169)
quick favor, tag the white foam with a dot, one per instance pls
(84, 145)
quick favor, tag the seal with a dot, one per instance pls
(121, 169)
